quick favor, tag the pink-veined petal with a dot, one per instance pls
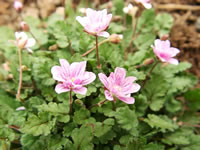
(57, 73)
(104, 34)
(104, 80)
(127, 100)
(120, 74)
(88, 78)
(108, 95)
(77, 68)
(65, 67)
(80, 90)
(60, 88)
(173, 61)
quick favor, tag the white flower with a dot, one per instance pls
(22, 41)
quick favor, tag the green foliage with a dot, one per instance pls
(165, 113)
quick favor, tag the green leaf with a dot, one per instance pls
(126, 118)
(81, 116)
(163, 23)
(161, 122)
(153, 146)
(156, 94)
(179, 138)
(82, 138)
(193, 99)
(38, 125)
(59, 110)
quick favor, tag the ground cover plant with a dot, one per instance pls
(96, 79)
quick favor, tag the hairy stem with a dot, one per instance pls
(70, 102)
(89, 51)
(97, 53)
(20, 74)
(98, 104)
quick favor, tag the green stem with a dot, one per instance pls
(70, 102)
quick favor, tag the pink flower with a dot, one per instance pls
(95, 22)
(145, 3)
(18, 5)
(120, 86)
(164, 52)
(72, 77)
(22, 41)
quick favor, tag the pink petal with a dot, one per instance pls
(77, 69)
(108, 95)
(109, 17)
(57, 73)
(60, 88)
(174, 51)
(80, 90)
(120, 74)
(89, 77)
(65, 67)
(104, 80)
(104, 34)
(173, 61)
(131, 88)
(127, 100)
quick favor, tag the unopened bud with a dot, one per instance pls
(10, 77)
(115, 38)
(148, 61)
(80, 103)
(165, 37)
(24, 26)
(18, 5)
(24, 68)
(53, 47)
(109, 5)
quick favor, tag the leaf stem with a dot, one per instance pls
(148, 75)
(20, 75)
(70, 102)
(89, 51)
(98, 104)
(97, 53)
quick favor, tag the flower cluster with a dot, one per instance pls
(74, 77)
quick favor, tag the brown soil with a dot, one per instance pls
(184, 35)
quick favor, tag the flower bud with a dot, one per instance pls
(10, 76)
(24, 68)
(24, 26)
(148, 61)
(165, 37)
(115, 38)
(18, 5)
(53, 47)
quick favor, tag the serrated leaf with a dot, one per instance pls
(161, 122)
(38, 125)
(82, 138)
(193, 99)
(126, 118)
(81, 116)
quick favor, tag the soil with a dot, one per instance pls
(184, 35)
